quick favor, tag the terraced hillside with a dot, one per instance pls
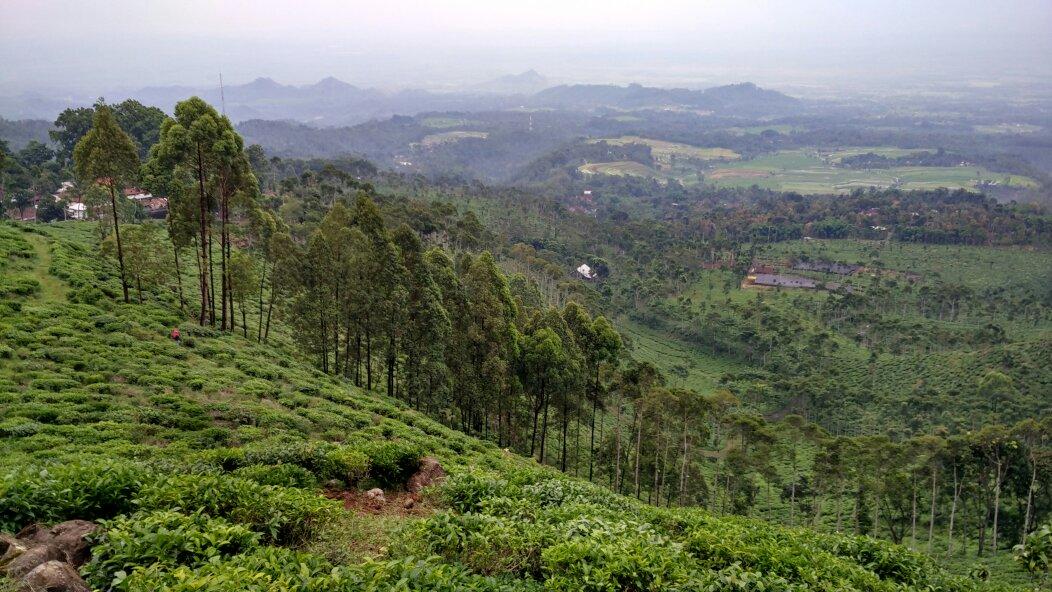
(210, 464)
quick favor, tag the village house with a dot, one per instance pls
(76, 211)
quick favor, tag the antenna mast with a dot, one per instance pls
(222, 96)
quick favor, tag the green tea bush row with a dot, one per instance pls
(282, 515)
(270, 569)
(560, 532)
(161, 539)
(85, 489)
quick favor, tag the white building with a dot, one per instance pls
(76, 211)
(586, 272)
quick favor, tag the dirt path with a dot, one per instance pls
(51, 288)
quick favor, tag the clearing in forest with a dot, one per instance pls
(665, 153)
(433, 140)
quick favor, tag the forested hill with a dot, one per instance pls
(745, 99)
(226, 444)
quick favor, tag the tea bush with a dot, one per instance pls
(161, 539)
(391, 463)
(281, 475)
(84, 489)
(282, 515)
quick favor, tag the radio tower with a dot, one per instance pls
(222, 96)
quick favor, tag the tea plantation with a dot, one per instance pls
(205, 462)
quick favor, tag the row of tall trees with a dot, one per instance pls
(444, 333)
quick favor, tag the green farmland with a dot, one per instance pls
(809, 171)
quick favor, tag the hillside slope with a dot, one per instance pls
(206, 459)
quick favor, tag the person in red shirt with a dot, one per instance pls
(175, 334)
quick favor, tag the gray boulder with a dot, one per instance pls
(53, 576)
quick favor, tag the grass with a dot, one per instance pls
(621, 168)
(806, 171)
(810, 171)
(444, 122)
(977, 267)
(1007, 128)
(50, 286)
(432, 140)
(758, 129)
(665, 152)
(684, 365)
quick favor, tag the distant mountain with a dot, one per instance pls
(525, 83)
(745, 99)
(332, 102)
(19, 133)
(328, 102)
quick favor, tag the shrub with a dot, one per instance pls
(283, 515)
(325, 461)
(1035, 555)
(281, 475)
(392, 463)
(161, 539)
(87, 490)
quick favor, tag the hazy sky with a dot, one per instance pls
(103, 44)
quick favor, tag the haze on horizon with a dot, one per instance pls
(65, 46)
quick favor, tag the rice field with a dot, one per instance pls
(810, 172)
(806, 171)
(433, 140)
(621, 168)
(972, 266)
(665, 153)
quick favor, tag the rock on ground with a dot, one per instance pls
(430, 473)
(53, 576)
(376, 494)
(69, 537)
(24, 563)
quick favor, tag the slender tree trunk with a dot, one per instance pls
(1029, 499)
(391, 361)
(203, 214)
(617, 446)
(566, 423)
(179, 279)
(639, 443)
(591, 444)
(544, 432)
(997, 505)
(683, 463)
(262, 282)
(931, 517)
(953, 511)
(211, 280)
(117, 233)
(368, 360)
(357, 358)
(224, 287)
(270, 311)
(536, 417)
